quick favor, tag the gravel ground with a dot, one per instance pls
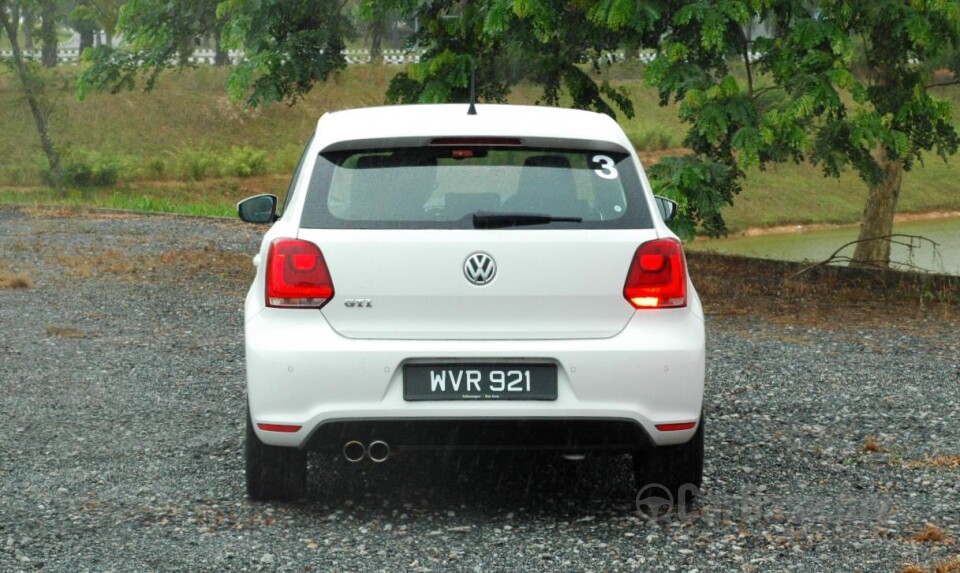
(121, 417)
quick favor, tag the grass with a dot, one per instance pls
(151, 200)
(184, 264)
(800, 194)
(938, 461)
(15, 280)
(951, 565)
(932, 534)
(65, 332)
(731, 285)
(872, 445)
(186, 148)
(209, 198)
(186, 114)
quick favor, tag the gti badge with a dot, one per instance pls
(480, 268)
(358, 303)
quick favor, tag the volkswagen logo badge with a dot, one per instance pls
(480, 268)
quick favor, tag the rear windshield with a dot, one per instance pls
(445, 187)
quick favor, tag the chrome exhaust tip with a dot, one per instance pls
(354, 451)
(378, 451)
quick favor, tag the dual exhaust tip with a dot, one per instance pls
(378, 451)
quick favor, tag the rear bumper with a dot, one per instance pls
(611, 392)
(484, 434)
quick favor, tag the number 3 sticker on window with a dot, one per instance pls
(607, 169)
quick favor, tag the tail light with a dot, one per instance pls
(297, 275)
(658, 276)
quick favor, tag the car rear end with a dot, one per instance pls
(497, 281)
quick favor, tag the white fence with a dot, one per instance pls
(72, 56)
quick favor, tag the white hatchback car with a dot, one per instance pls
(445, 280)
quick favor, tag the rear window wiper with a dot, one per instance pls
(500, 220)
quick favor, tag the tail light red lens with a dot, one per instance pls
(658, 276)
(283, 428)
(676, 427)
(297, 275)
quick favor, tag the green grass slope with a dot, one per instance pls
(185, 147)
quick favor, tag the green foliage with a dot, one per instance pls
(288, 46)
(155, 168)
(701, 189)
(839, 83)
(654, 139)
(844, 84)
(507, 41)
(376, 14)
(196, 164)
(84, 168)
(84, 18)
(199, 164)
(245, 162)
(158, 35)
(454, 37)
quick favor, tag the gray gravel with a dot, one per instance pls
(121, 418)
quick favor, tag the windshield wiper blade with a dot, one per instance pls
(501, 220)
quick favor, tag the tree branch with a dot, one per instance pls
(952, 82)
(836, 257)
(760, 91)
(746, 60)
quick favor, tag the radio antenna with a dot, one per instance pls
(473, 88)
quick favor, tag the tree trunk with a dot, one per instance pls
(220, 56)
(48, 34)
(86, 39)
(29, 84)
(29, 21)
(184, 52)
(877, 223)
(376, 42)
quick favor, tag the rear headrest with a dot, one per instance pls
(375, 161)
(547, 161)
(391, 194)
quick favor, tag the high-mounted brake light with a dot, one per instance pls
(475, 141)
(297, 275)
(657, 276)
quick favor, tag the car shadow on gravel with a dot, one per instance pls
(487, 482)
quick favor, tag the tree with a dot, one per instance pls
(841, 83)
(33, 88)
(377, 15)
(288, 46)
(90, 17)
(83, 18)
(108, 14)
(543, 41)
(49, 20)
(29, 21)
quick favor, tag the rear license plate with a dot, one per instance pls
(480, 382)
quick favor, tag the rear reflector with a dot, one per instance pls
(279, 428)
(657, 276)
(297, 275)
(676, 427)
